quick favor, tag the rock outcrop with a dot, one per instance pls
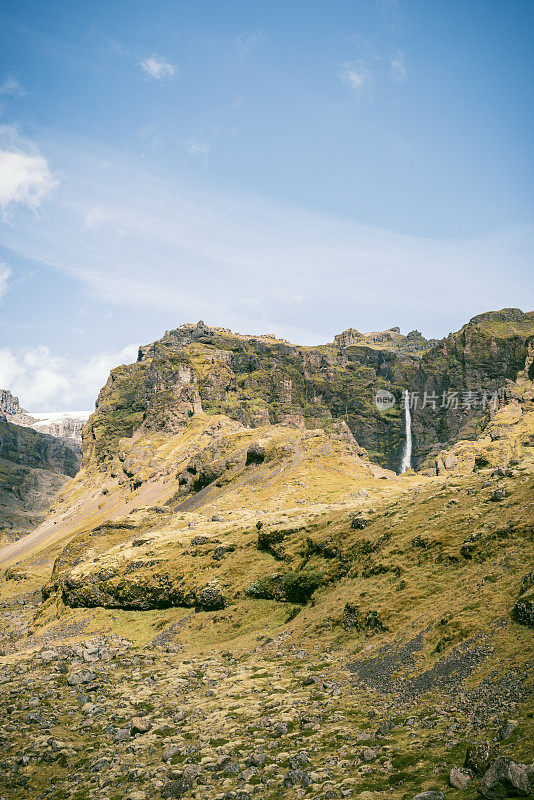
(33, 467)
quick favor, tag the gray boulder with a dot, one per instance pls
(505, 778)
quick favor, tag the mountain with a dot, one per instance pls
(237, 595)
(259, 381)
(64, 425)
(33, 467)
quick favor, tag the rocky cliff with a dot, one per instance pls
(257, 381)
(33, 467)
(262, 380)
(63, 425)
(465, 376)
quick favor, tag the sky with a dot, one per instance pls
(294, 168)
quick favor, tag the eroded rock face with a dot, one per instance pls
(260, 380)
(33, 467)
(256, 381)
(485, 354)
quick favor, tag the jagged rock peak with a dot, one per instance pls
(9, 404)
(391, 339)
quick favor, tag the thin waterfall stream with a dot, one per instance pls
(406, 462)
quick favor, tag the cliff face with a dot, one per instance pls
(33, 467)
(257, 381)
(262, 380)
(465, 376)
(62, 425)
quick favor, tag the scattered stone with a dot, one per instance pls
(507, 729)
(170, 752)
(431, 795)
(140, 725)
(200, 539)
(81, 676)
(176, 788)
(461, 777)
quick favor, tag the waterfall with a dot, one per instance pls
(406, 462)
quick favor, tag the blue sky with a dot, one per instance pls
(295, 168)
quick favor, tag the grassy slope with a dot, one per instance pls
(410, 565)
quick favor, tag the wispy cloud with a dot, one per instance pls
(43, 380)
(25, 176)
(5, 274)
(159, 68)
(140, 241)
(397, 67)
(356, 75)
(11, 86)
(372, 70)
(246, 42)
(197, 148)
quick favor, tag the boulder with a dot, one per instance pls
(170, 752)
(507, 729)
(505, 778)
(461, 777)
(210, 598)
(81, 676)
(524, 612)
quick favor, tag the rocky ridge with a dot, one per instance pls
(64, 425)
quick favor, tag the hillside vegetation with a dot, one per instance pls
(233, 599)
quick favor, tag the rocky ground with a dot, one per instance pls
(100, 718)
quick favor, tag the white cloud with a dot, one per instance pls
(159, 68)
(95, 371)
(25, 176)
(11, 86)
(44, 381)
(197, 147)
(397, 67)
(5, 274)
(182, 253)
(356, 75)
(95, 218)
